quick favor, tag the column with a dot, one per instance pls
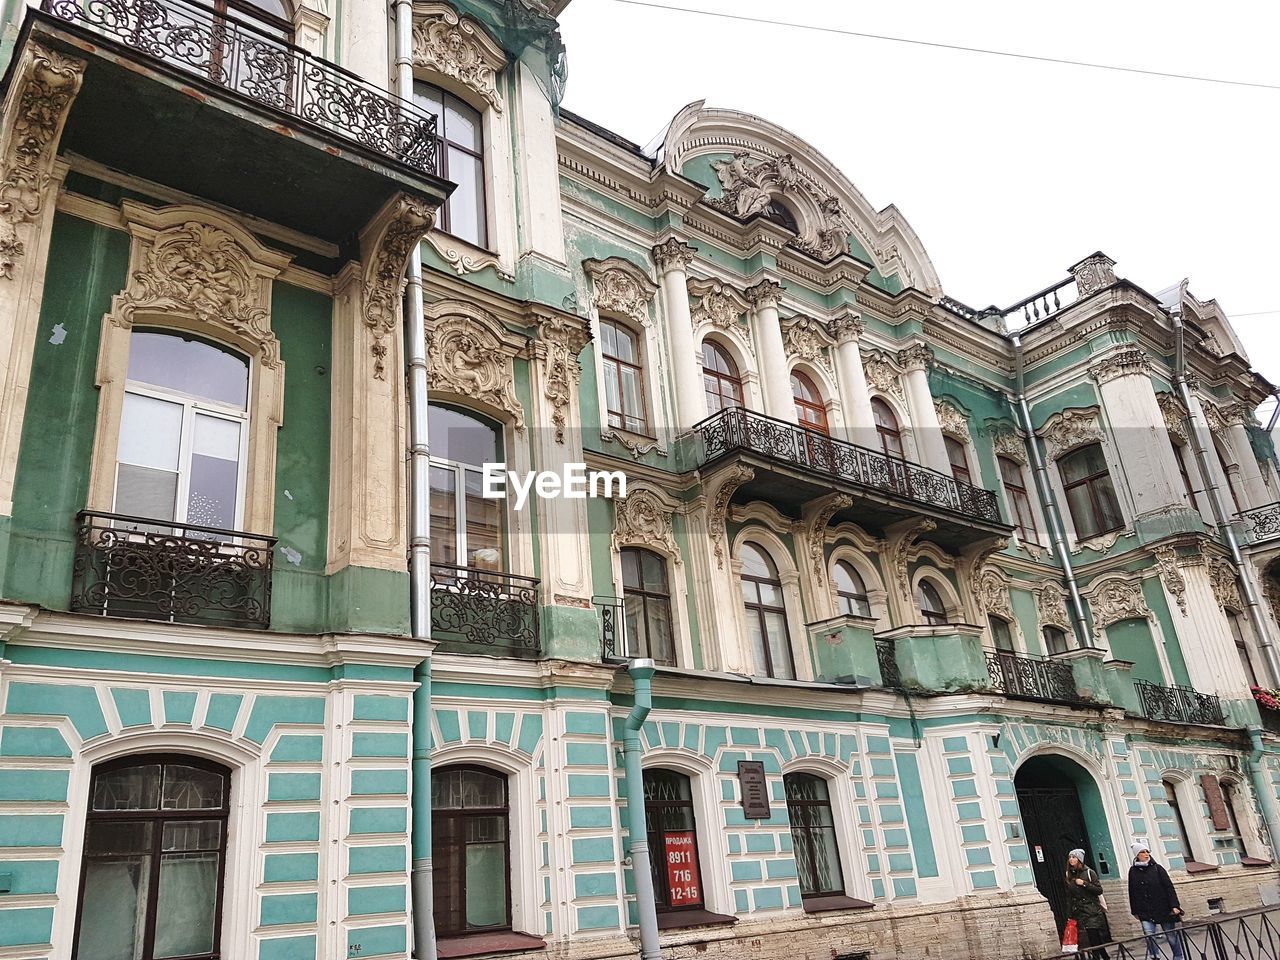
(847, 328)
(775, 376)
(1255, 492)
(1212, 463)
(673, 258)
(930, 447)
(1208, 647)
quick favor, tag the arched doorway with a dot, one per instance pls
(1061, 810)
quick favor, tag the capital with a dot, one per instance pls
(673, 254)
(918, 356)
(766, 293)
(847, 327)
(1126, 363)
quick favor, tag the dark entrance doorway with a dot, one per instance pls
(1054, 820)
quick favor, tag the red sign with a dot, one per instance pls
(681, 851)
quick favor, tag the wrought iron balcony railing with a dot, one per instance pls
(1038, 678)
(735, 428)
(613, 627)
(1179, 704)
(253, 64)
(887, 656)
(156, 570)
(485, 612)
(1262, 523)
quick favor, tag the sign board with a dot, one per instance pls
(755, 791)
(1218, 812)
(1039, 854)
(681, 851)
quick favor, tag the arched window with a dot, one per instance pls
(810, 410)
(470, 850)
(1091, 497)
(673, 840)
(851, 590)
(1241, 638)
(647, 600)
(183, 431)
(930, 603)
(1171, 798)
(460, 140)
(1055, 640)
(720, 378)
(623, 378)
(959, 459)
(1015, 491)
(154, 856)
(1180, 455)
(766, 613)
(887, 429)
(778, 212)
(1001, 635)
(1225, 461)
(467, 529)
(813, 835)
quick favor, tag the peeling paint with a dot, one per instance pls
(292, 555)
(288, 494)
(59, 334)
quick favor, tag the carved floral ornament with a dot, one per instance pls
(562, 339)
(1123, 363)
(1009, 441)
(807, 339)
(1069, 429)
(991, 591)
(883, 374)
(720, 305)
(952, 419)
(1222, 577)
(644, 519)
(194, 263)
(1175, 416)
(846, 327)
(457, 48)
(391, 236)
(1051, 606)
(1114, 598)
(620, 287)
(469, 354)
(827, 508)
(40, 96)
(1171, 576)
(718, 505)
(1094, 273)
(673, 254)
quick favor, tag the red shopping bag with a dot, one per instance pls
(1070, 938)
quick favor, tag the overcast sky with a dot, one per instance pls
(1009, 170)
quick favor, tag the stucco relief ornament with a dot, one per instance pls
(201, 270)
(1125, 363)
(900, 547)
(673, 254)
(1071, 428)
(622, 293)
(1115, 599)
(992, 594)
(564, 340)
(718, 506)
(1093, 273)
(1171, 576)
(952, 419)
(766, 293)
(720, 307)
(883, 375)
(918, 356)
(1222, 577)
(465, 358)
(744, 184)
(1051, 605)
(830, 234)
(457, 48)
(643, 518)
(1175, 416)
(47, 82)
(1009, 442)
(807, 339)
(409, 222)
(818, 531)
(846, 327)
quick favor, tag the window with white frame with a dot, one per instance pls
(467, 529)
(766, 611)
(622, 359)
(183, 431)
(1091, 496)
(851, 590)
(460, 140)
(1241, 637)
(1055, 640)
(1001, 634)
(1015, 491)
(813, 835)
(1184, 835)
(959, 458)
(929, 601)
(647, 604)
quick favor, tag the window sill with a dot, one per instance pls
(1254, 862)
(682, 919)
(833, 903)
(1195, 866)
(483, 944)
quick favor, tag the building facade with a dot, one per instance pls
(933, 593)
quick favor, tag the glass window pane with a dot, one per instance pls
(444, 520)
(612, 389)
(114, 838)
(466, 203)
(189, 367)
(215, 472)
(658, 630)
(462, 437)
(462, 125)
(114, 908)
(755, 634)
(186, 902)
(486, 885)
(655, 571)
(446, 789)
(779, 648)
(755, 562)
(150, 432)
(484, 526)
(192, 788)
(631, 568)
(1000, 634)
(624, 345)
(483, 789)
(1108, 505)
(1081, 507)
(428, 98)
(632, 391)
(133, 788)
(143, 492)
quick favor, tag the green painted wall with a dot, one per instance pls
(1131, 640)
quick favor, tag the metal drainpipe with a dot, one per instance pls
(1262, 788)
(641, 670)
(424, 930)
(1049, 502)
(1215, 493)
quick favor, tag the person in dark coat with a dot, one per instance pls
(1153, 900)
(1084, 905)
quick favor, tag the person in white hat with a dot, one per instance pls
(1084, 906)
(1153, 901)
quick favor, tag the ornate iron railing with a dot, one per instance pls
(1262, 523)
(263, 68)
(1248, 935)
(1179, 704)
(484, 611)
(1270, 719)
(156, 570)
(887, 657)
(735, 428)
(1040, 678)
(613, 627)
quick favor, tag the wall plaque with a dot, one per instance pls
(1217, 803)
(755, 790)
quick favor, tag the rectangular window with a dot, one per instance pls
(1015, 490)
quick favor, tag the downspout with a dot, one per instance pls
(421, 897)
(1049, 502)
(1263, 789)
(1220, 514)
(641, 670)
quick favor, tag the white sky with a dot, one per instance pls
(1009, 171)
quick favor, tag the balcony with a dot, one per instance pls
(1032, 678)
(887, 656)
(1261, 523)
(484, 612)
(794, 465)
(1179, 704)
(145, 569)
(180, 94)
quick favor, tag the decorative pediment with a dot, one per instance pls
(1070, 429)
(469, 356)
(1051, 605)
(1008, 441)
(1175, 416)
(952, 419)
(1114, 597)
(458, 48)
(883, 374)
(191, 262)
(807, 339)
(720, 305)
(620, 287)
(643, 519)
